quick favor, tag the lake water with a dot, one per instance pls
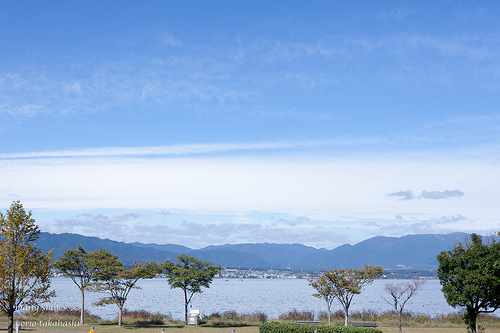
(270, 296)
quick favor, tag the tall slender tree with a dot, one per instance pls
(324, 291)
(24, 269)
(190, 274)
(74, 264)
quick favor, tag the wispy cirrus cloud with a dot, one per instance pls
(189, 149)
(202, 75)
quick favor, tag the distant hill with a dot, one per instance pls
(126, 252)
(412, 251)
(415, 251)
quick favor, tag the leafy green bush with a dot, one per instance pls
(276, 327)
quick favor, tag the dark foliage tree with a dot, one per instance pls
(470, 276)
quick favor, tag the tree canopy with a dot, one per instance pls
(324, 291)
(24, 269)
(74, 264)
(345, 283)
(190, 274)
(118, 282)
(470, 276)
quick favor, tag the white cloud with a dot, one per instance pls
(190, 149)
(242, 181)
(416, 225)
(321, 195)
(93, 223)
(436, 195)
(452, 219)
(433, 195)
(403, 195)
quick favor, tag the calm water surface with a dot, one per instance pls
(246, 296)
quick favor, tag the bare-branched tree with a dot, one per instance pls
(400, 294)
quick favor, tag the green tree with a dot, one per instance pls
(114, 279)
(106, 267)
(190, 274)
(24, 269)
(324, 291)
(345, 283)
(400, 294)
(74, 264)
(470, 276)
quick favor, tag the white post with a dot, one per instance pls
(18, 324)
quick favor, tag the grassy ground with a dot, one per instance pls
(98, 328)
(143, 322)
(112, 328)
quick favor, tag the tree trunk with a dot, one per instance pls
(329, 317)
(346, 316)
(120, 315)
(470, 319)
(185, 308)
(10, 327)
(399, 321)
(82, 309)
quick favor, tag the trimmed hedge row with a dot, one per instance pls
(275, 327)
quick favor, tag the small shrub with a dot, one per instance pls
(453, 318)
(67, 314)
(262, 317)
(364, 315)
(337, 315)
(421, 319)
(295, 315)
(231, 315)
(136, 314)
(232, 318)
(215, 315)
(143, 318)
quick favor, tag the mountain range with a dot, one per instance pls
(416, 252)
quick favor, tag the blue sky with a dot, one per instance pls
(212, 122)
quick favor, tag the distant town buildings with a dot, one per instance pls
(235, 273)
